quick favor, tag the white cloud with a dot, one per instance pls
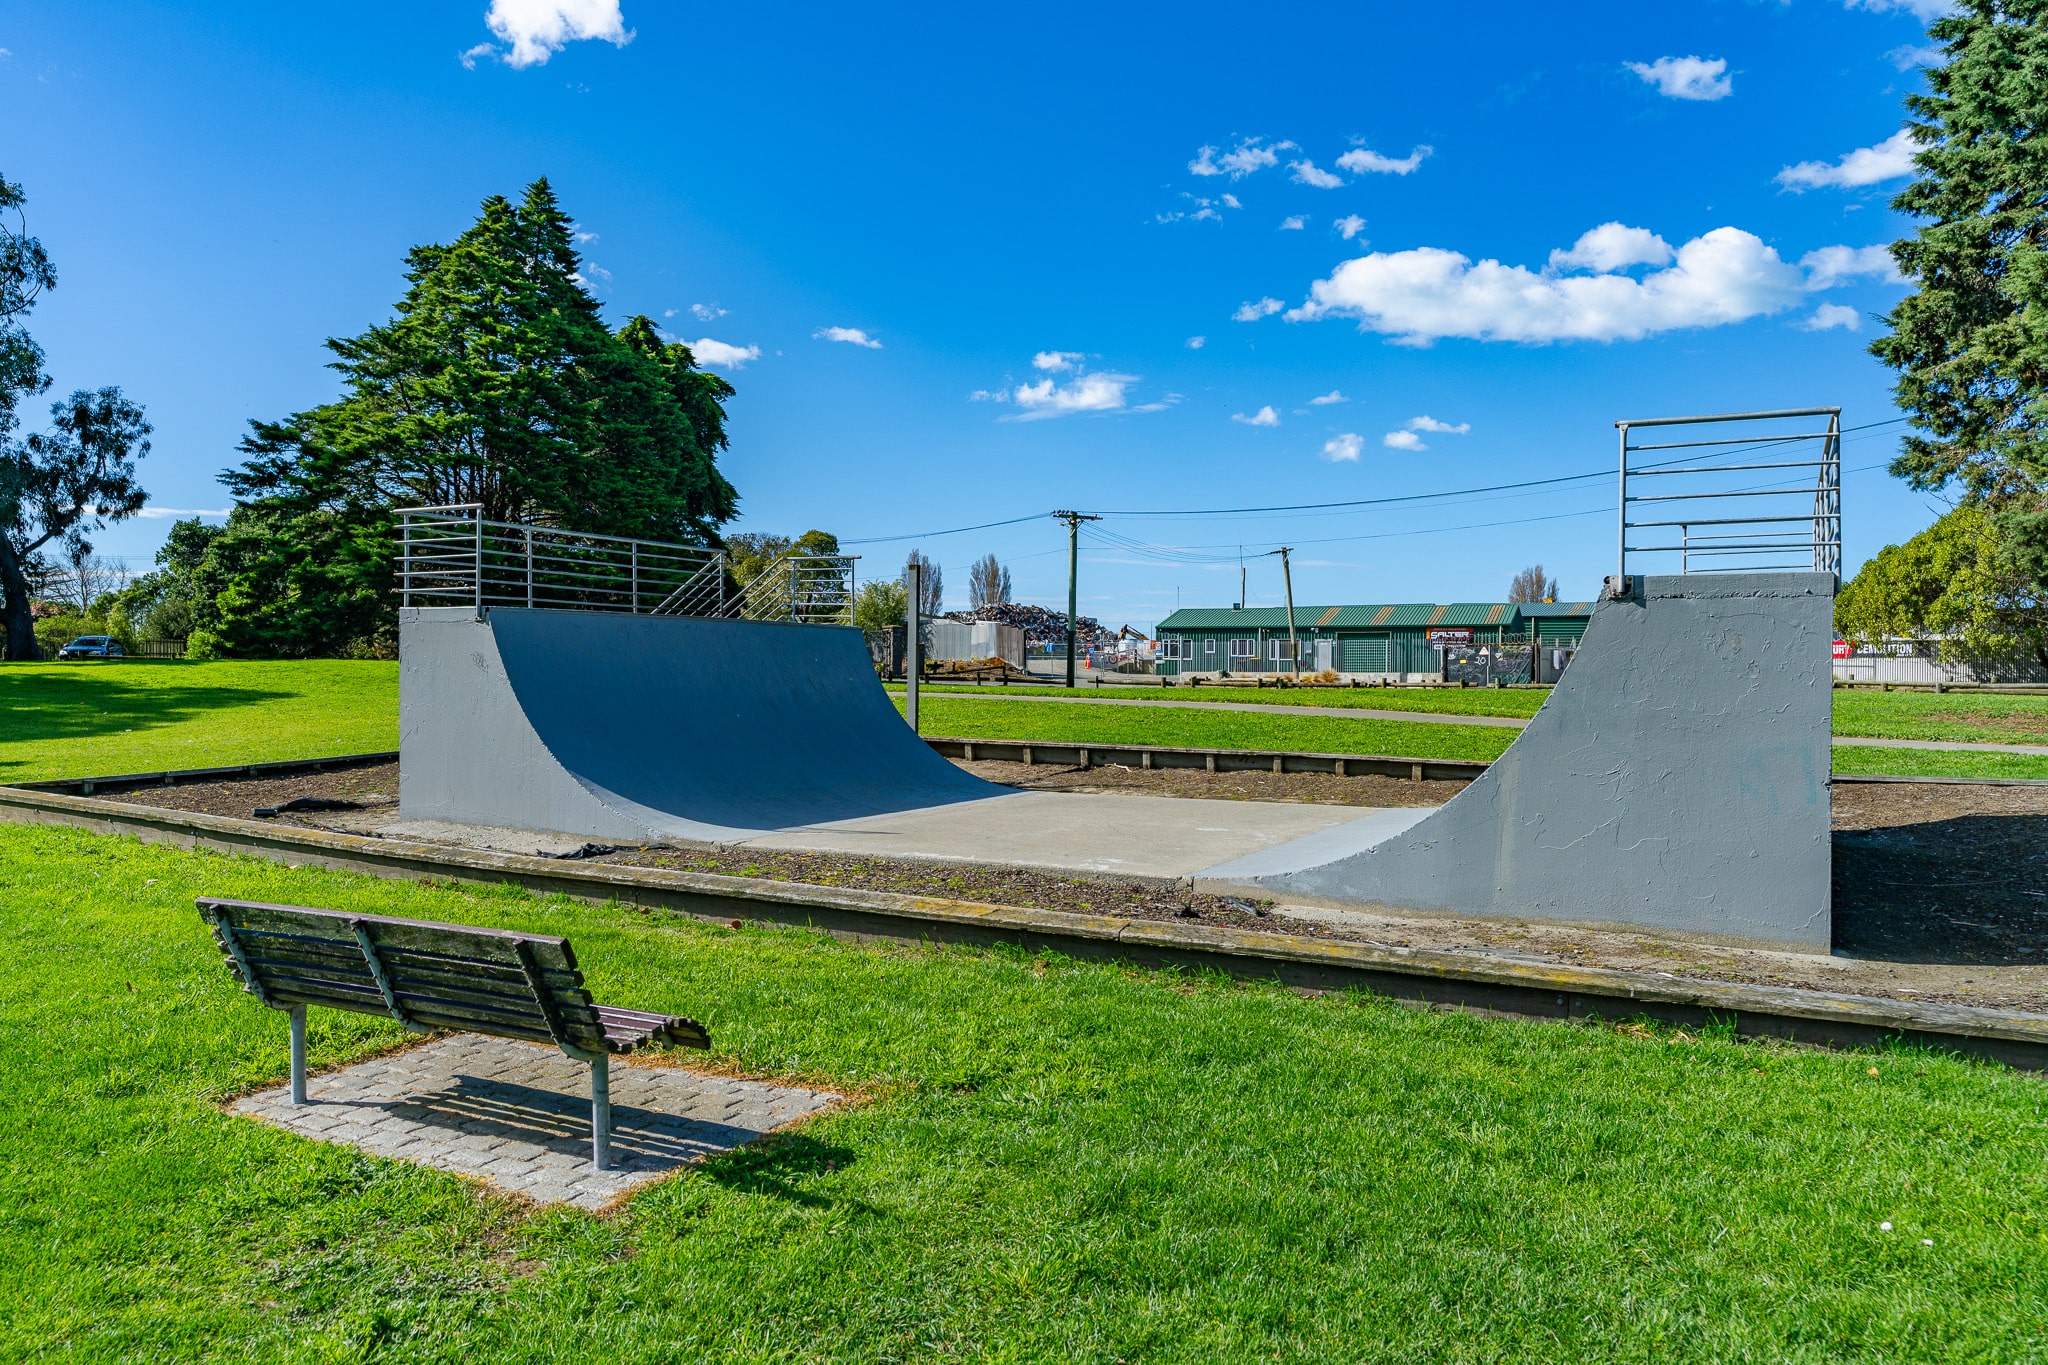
(723, 354)
(1361, 160)
(669, 312)
(1350, 225)
(1908, 57)
(1161, 405)
(1230, 202)
(989, 396)
(1611, 246)
(537, 29)
(854, 335)
(1325, 400)
(1926, 11)
(1293, 224)
(1264, 417)
(469, 57)
(1345, 447)
(1306, 172)
(1056, 361)
(1830, 315)
(1085, 393)
(1204, 209)
(1888, 160)
(1686, 78)
(1252, 312)
(706, 312)
(1723, 276)
(1833, 265)
(1402, 440)
(1205, 162)
(156, 513)
(1426, 423)
(1197, 343)
(1249, 156)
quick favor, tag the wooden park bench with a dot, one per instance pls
(430, 977)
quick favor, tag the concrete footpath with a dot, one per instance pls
(1439, 718)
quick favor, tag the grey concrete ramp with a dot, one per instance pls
(1676, 779)
(621, 728)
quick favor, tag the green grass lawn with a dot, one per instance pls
(1473, 701)
(1978, 716)
(1056, 1162)
(78, 720)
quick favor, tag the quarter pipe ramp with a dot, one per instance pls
(1676, 779)
(632, 727)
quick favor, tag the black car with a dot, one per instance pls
(92, 647)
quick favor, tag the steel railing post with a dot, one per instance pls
(1621, 554)
(479, 562)
(529, 566)
(405, 560)
(636, 577)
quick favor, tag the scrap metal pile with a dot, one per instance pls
(1041, 627)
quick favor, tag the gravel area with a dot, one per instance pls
(1940, 891)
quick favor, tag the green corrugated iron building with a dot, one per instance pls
(1399, 641)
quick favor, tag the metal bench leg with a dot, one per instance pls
(298, 1054)
(601, 1112)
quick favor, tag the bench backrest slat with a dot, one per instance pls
(436, 975)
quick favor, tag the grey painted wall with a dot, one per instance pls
(628, 728)
(1676, 779)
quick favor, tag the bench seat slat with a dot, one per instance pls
(456, 940)
(275, 949)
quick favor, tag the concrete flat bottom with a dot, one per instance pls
(1133, 836)
(518, 1115)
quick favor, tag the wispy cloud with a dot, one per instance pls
(1252, 312)
(1427, 423)
(1686, 78)
(1402, 440)
(1926, 11)
(1197, 343)
(1264, 417)
(1325, 400)
(1829, 316)
(1350, 225)
(158, 513)
(1056, 361)
(1347, 447)
(1292, 224)
(1888, 160)
(1068, 388)
(536, 30)
(723, 354)
(1204, 211)
(1306, 172)
(851, 335)
(1832, 265)
(1252, 154)
(706, 312)
(1365, 161)
(1910, 56)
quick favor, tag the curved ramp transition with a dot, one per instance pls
(1676, 779)
(629, 728)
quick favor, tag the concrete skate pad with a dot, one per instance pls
(1676, 779)
(630, 728)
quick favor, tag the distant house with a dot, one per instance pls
(1402, 642)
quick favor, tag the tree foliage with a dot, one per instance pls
(1530, 585)
(880, 603)
(496, 383)
(1970, 344)
(988, 583)
(1960, 583)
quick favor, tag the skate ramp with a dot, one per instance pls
(624, 727)
(1676, 779)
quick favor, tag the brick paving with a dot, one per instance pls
(518, 1115)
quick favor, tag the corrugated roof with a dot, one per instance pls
(1553, 609)
(1378, 616)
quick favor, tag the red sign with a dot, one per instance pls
(1450, 635)
(1842, 649)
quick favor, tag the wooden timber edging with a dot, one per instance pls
(1147, 756)
(86, 786)
(1427, 977)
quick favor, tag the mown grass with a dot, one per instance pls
(1854, 758)
(1204, 728)
(1056, 1161)
(1458, 701)
(1982, 717)
(78, 720)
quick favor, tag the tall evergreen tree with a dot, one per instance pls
(496, 383)
(1971, 343)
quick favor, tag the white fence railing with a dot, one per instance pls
(454, 557)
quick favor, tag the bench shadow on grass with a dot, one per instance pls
(92, 703)
(766, 1167)
(1969, 890)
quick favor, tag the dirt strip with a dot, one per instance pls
(1940, 892)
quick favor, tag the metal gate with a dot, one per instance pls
(1365, 653)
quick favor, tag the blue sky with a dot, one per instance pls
(956, 259)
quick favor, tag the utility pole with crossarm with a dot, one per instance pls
(1073, 521)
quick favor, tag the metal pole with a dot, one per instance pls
(298, 1054)
(1293, 640)
(529, 566)
(405, 559)
(479, 563)
(601, 1112)
(913, 657)
(1073, 590)
(636, 576)
(1621, 540)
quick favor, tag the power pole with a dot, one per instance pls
(1073, 521)
(1287, 575)
(913, 657)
